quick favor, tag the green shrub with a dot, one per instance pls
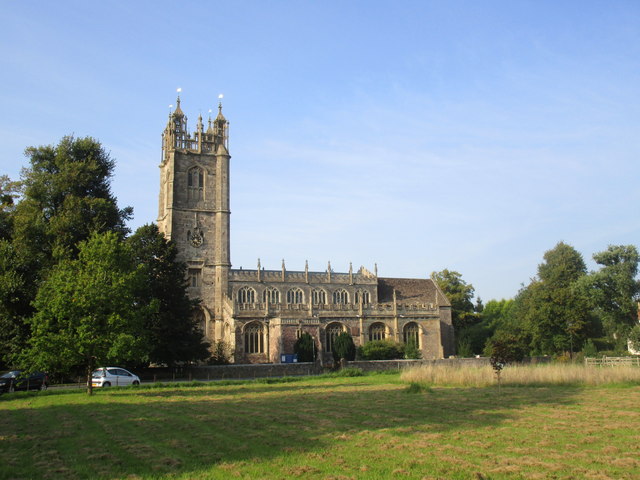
(343, 347)
(382, 350)
(305, 348)
(411, 351)
(589, 349)
(346, 372)
(220, 353)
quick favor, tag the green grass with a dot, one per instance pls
(363, 427)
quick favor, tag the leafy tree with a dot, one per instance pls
(9, 192)
(463, 313)
(460, 294)
(502, 350)
(614, 290)
(381, 350)
(16, 293)
(305, 348)
(343, 347)
(172, 327)
(67, 196)
(88, 312)
(553, 309)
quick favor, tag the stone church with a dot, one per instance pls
(260, 313)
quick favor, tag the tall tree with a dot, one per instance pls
(614, 290)
(173, 328)
(555, 313)
(463, 314)
(64, 195)
(460, 294)
(9, 192)
(87, 310)
(67, 196)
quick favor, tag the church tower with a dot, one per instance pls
(194, 208)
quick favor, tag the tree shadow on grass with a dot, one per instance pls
(182, 432)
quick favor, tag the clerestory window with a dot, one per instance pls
(319, 297)
(295, 296)
(246, 295)
(340, 296)
(271, 295)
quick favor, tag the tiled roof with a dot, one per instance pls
(411, 290)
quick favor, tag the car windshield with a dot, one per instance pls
(98, 373)
(13, 374)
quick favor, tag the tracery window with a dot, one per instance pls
(377, 331)
(254, 338)
(246, 295)
(412, 334)
(295, 295)
(195, 182)
(332, 331)
(340, 296)
(362, 296)
(271, 295)
(319, 297)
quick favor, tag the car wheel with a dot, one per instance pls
(136, 383)
(12, 388)
(44, 386)
(106, 384)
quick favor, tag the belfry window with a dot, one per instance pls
(295, 295)
(377, 331)
(246, 295)
(319, 297)
(195, 182)
(195, 277)
(254, 338)
(333, 330)
(271, 295)
(340, 296)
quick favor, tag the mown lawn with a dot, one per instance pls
(362, 427)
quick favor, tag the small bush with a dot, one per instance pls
(417, 388)
(411, 351)
(346, 372)
(343, 347)
(382, 350)
(220, 353)
(589, 349)
(305, 348)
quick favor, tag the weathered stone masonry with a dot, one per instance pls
(261, 313)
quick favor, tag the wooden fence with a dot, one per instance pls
(613, 361)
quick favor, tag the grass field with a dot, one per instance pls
(366, 427)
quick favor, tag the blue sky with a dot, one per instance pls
(418, 135)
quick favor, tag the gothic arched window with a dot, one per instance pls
(295, 295)
(254, 338)
(412, 334)
(362, 296)
(377, 331)
(340, 296)
(271, 295)
(319, 297)
(195, 182)
(332, 331)
(246, 295)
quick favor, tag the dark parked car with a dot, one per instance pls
(19, 380)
